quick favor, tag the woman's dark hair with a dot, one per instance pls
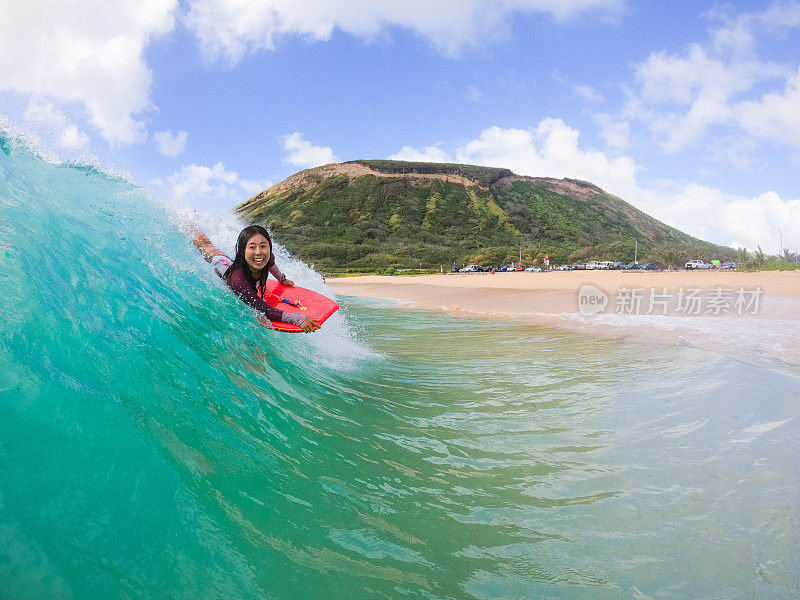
(239, 261)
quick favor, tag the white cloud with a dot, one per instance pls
(304, 154)
(775, 116)
(680, 80)
(208, 188)
(737, 150)
(231, 29)
(427, 154)
(616, 133)
(549, 150)
(170, 145)
(695, 90)
(41, 113)
(723, 218)
(588, 93)
(89, 53)
(680, 97)
(552, 150)
(72, 138)
(44, 115)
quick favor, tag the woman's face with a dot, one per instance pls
(256, 253)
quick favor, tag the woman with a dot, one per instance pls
(247, 273)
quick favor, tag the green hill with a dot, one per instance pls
(377, 215)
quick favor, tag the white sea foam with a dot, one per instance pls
(684, 429)
(769, 342)
(753, 432)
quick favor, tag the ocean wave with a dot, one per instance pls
(156, 441)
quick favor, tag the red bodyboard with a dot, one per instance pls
(299, 301)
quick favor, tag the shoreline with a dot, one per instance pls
(766, 337)
(519, 296)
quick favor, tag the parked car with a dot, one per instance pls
(564, 268)
(633, 266)
(728, 264)
(650, 267)
(579, 267)
(502, 269)
(594, 264)
(534, 269)
(696, 264)
(470, 269)
(618, 265)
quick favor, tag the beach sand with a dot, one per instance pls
(529, 296)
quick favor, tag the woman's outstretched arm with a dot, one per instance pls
(206, 247)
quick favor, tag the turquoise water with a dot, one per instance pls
(156, 442)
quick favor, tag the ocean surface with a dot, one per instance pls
(156, 442)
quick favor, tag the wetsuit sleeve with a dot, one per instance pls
(276, 273)
(241, 287)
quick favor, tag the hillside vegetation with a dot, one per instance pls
(383, 215)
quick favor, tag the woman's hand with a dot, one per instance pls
(288, 282)
(309, 325)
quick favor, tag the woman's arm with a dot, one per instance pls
(202, 243)
(239, 284)
(276, 273)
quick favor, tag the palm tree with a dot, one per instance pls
(787, 256)
(742, 256)
(760, 257)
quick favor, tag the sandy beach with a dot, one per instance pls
(529, 296)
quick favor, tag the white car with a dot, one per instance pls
(696, 264)
(534, 269)
(599, 264)
(471, 269)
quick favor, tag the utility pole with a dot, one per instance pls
(636, 251)
(520, 254)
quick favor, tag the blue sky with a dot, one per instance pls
(688, 110)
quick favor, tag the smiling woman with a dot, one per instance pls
(257, 253)
(247, 273)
